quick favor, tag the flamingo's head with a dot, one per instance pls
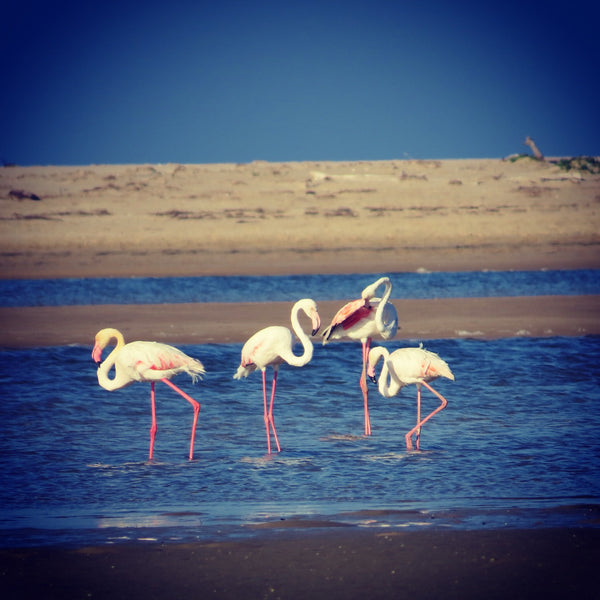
(370, 291)
(97, 353)
(316, 321)
(309, 306)
(371, 369)
(102, 340)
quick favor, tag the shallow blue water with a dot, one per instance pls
(518, 445)
(147, 290)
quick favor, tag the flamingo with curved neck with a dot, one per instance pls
(408, 366)
(273, 346)
(363, 319)
(145, 361)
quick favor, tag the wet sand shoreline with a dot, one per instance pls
(333, 563)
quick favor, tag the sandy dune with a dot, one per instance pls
(269, 218)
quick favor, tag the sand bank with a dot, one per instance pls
(482, 318)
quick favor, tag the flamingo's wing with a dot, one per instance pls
(266, 347)
(253, 347)
(349, 315)
(147, 361)
(413, 365)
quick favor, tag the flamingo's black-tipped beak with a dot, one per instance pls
(373, 379)
(98, 362)
(315, 331)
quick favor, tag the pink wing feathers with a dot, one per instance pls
(349, 315)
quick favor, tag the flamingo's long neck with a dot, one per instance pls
(387, 384)
(119, 380)
(381, 305)
(395, 384)
(306, 356)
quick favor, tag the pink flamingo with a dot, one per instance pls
(145, 361)
(362, 320)
(408, 366)
(272, 346)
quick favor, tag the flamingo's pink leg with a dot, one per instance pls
(271, 409)
(266, 412)
(418, 432)
(443, 405)
(408, 436)
(196, 407)
(153, 428)
(363, 384)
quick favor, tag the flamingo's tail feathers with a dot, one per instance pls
(442, 369)
(195, 370)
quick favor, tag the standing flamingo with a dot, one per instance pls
(362, 320)
(407, 366)
(145, 361)
(273, 346)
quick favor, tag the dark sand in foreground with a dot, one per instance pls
(337, 563)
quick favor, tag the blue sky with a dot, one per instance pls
(234, 81)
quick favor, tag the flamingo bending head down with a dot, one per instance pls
(408, 366)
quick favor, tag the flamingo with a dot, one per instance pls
(362, 320)
(272, 346)
(145, 361)
(407, 366)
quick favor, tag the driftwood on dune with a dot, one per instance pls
(536, 151)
